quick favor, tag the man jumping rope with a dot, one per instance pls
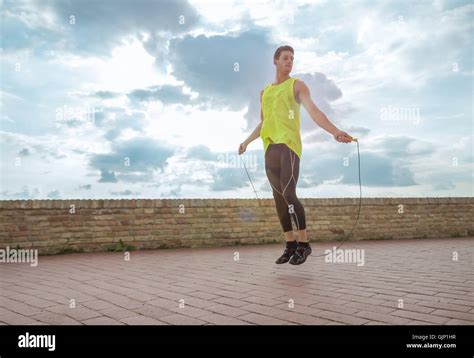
(279, 129)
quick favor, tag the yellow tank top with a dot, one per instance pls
(281, 116)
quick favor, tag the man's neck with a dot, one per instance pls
(279, 78)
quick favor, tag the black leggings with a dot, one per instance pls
(278, 166)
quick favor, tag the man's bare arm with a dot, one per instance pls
(316, 115)
(256, 132)
(319, 117)
(254, 135)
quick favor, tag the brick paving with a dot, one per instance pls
(208, 286)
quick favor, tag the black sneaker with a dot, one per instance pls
(302, 252)
(289, 251)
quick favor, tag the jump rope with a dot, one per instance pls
(291, 209)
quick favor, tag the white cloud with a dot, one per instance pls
(129, 67)
(186, 126)
(403, 54)
(387, 57)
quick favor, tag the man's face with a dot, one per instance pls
(285, 62)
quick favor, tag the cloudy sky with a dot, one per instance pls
(151, 98)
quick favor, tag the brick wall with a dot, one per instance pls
(58, 226)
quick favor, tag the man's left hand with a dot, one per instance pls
(342, 137)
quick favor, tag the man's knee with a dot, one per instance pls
(290, 197)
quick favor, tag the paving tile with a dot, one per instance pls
(218, 291)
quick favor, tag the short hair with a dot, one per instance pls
(276, 56)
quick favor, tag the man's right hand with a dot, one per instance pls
(242, 147)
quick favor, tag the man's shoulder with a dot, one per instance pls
(298, 82)
(299, 86)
